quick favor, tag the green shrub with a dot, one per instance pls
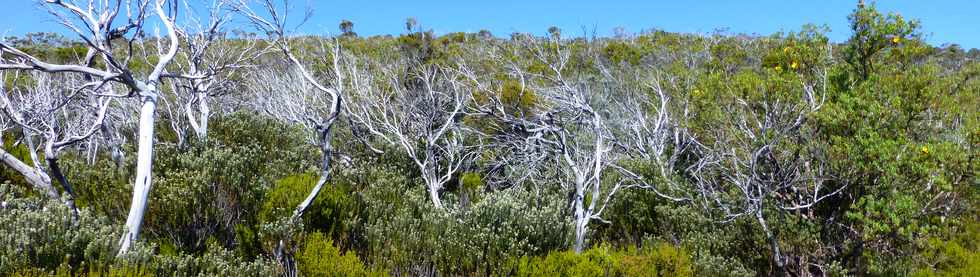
(329, 211)
(517, 98)
(285, 195)
(660, 260)
(597, 261)
(38, 237)
(957, 256)
(406, 234)
(215, 261)
(214, 189)
(319, 257)
(39, 234)
(619, 52)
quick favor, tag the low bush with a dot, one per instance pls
(660, 259)
(319, 257)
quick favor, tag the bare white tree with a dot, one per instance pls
(285, 94)
(60, 117)
(298, 94)
(580, 134)
(418, 109)
(210, 61)
(97, 23)
(649, 128)
(572, 130)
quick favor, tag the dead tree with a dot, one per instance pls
(59, 117)
(98, 24)
(298, 94)
(417, 109)
(572, 130)
(210, 60)
(651, 129)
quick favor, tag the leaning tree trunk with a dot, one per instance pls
(324, 176)
(327, 148)
(325, 164)
(38, 179)
(301, 208)
(70, 193)
(55, 171)
(142, 184)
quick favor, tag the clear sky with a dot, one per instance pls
(953, 21)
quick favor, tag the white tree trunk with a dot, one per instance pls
(581, 217)
(38, 179)
(776, 255)
(324, 176)
(434, 194)
(141, 187)
(205, 113)
(327, 149)
(432, 185)
(199, 122)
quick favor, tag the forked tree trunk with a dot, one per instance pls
(142, 185)
(199, 122)
(431, 179)
(434, 188)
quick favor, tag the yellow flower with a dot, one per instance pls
(779, 68)
(794, 65)
(925, 150)
(896, 39)
(786, 50)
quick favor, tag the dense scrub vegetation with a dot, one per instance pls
(777, 155)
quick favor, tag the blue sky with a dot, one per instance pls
(943, 21)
